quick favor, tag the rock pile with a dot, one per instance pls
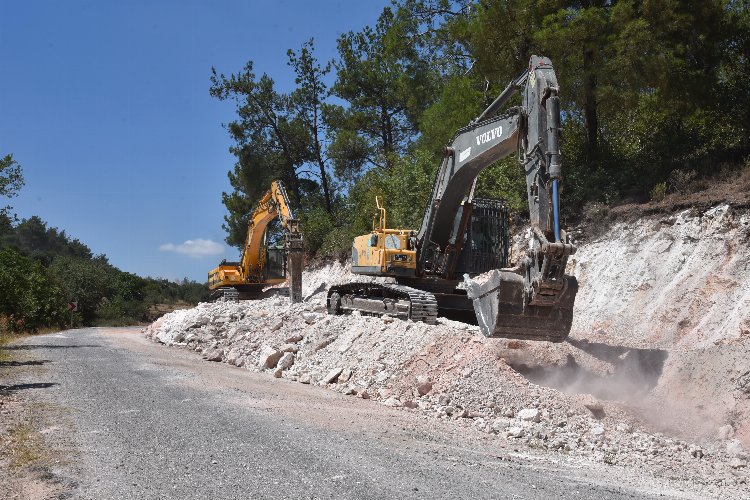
(558, 398)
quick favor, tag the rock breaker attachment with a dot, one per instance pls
(503, 309)
(295, 257)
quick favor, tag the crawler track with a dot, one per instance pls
(380, 299)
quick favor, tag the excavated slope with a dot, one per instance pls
(656, 373)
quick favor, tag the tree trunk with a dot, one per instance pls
(590, 119)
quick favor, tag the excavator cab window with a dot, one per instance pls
(373, 240)
(275, 262)
(487, 241)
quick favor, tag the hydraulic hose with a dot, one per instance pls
(556, 209)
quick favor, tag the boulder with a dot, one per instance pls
(597, 431)
(276, 325)
(286, 361)
(514, 432)
(213, 355)
(233, 355)
(424, 387)
(725, 432)
(310, 317)
(294, 339)
(331, 376)
(735, 448)
(529, 415)
(269, 357)
(345, 375)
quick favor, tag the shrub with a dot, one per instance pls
(680, 180)
(659, 191)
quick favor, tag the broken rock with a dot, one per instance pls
(393, 402)
(269, 357)
(213, 355)
(331, 376)
(529, 415)
(286, 361)
(310, 317)
(514, 432)
(424, 387)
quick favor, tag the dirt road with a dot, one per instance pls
(127, 418)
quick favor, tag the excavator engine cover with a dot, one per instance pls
(502, 311)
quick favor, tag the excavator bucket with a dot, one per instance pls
(498, 298)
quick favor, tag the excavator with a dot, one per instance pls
(462, 236)
(262, 264)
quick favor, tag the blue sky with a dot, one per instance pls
(106, 107)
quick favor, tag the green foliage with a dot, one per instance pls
(387, 86)
(41, 269)
(11, 181)
(316, 224)
(28, 298)
(653, 94)
(681, 180)
(659, 191)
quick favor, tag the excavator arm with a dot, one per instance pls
(535, 299)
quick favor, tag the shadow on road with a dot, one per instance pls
(23, 387)
(34, 362)
(28, 347)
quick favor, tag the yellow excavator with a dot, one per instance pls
(262, 263)
(462, 236)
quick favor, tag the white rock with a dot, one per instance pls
(310, 317)
(514, 432)
(625, 428)
(331, 376)
(529, 415)
(393, 402)
(725, 432)
(269, 357)
(498, 425)
(735, 448)
(286, 361)
(277, 324)
(345, 375)
(597, 431)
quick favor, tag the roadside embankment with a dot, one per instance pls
(655, 373)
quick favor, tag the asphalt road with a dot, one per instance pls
(139, 420)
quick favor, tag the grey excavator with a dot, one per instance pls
(458, 259)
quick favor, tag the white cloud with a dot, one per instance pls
(194, 248)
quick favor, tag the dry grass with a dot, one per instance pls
(24, 447)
